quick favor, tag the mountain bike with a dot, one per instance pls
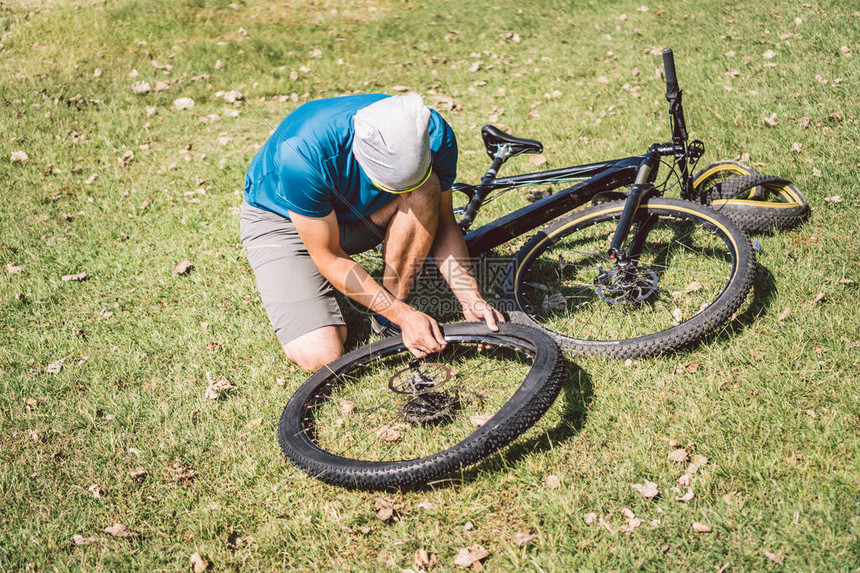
(629, 274)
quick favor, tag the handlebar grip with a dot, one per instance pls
(669, 69)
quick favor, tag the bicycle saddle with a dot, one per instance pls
(494, 138)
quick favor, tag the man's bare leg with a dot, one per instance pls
(412, 225)
(317, 348)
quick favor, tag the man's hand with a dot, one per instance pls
(476, 309)
(421, 334)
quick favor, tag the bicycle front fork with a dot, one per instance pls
(644, 179)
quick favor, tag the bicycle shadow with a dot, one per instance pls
(762, 296)
(577, 393)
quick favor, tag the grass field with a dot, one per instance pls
(103, 418)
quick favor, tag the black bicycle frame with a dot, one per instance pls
(637, 173)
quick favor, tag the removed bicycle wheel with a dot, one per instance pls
(715, 173)
(377, 418)
(759, 203)
(688, 270)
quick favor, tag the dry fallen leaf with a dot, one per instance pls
(19, 157)
(692, 367)
(13, 270)
(77, 278)
(678, 316)
(685, 479)
(126, 158)
(552, 482)
(345, 406)
(769, 119)
(537, 159)
(818, 298)
(183, 267)
(391, 433)
(590, 517)
(183, 103)
(522, 538)
(217, 386)
(469, 556)
(480, 419)
(141, 88)
(632, 521)
(137, 474)
(96, 491)
(198, 563)
(426, 505)
(777, 558)
(648, 490)
(702, 527)
(386, 509)
(81, 540)
(796, 147)
(786, 312)
(699, 460)
(833, 199)
(679, 455)
(119, 530)
(686, 497)
(769, 55)
(423, 560)
(55, 367)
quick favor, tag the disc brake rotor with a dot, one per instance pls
(626, 285)
(420, 378)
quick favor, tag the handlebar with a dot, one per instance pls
(669, 69)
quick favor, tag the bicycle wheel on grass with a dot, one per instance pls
(377, 418)
(690, 269)
(759, 203)
(706, 179)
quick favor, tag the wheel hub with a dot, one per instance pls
(626, 284)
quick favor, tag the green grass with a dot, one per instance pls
(773, 403)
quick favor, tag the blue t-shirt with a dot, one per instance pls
(307, 165)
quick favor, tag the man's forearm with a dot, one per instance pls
(352, 280)
(452, 257)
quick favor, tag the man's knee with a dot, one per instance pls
(317, 348)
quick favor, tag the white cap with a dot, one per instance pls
(392, 143)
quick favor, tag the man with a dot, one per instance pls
(337, 177)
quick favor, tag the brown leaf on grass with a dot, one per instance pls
(180, 473)
(699, 460)
(678, 316)
(777, 558)
(702, 527)
(796, 147)
(33, 435)
(786, 312)
(345, 406)
(13, 270)
(183, 267)
(590, 517)
(685, 479)
(183, 103)
(256, 422)
(119, 530)
(471, 556)
(137, 474)
(146, 203)
(522, 538)
(687, 496)
(692, 367)
(141, 88)
(833, 199)
(217, 386)
(198, 563)
(126, 158)
(769, 55)
(647, 490)
(632, 521)
(30, 404)
(423, 560)
(386, 509)
(538, 159)
(76, 278)
(818, 298)
(19, 157)
(97, 491)
(391, 432)
(480, 419)
(81, 540)
(55, 367)
(679, 455)
(552, 482)
(769, 119)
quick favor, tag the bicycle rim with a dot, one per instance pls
(377, 418)
(694, 270)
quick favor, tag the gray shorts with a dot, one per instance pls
(297, 298)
